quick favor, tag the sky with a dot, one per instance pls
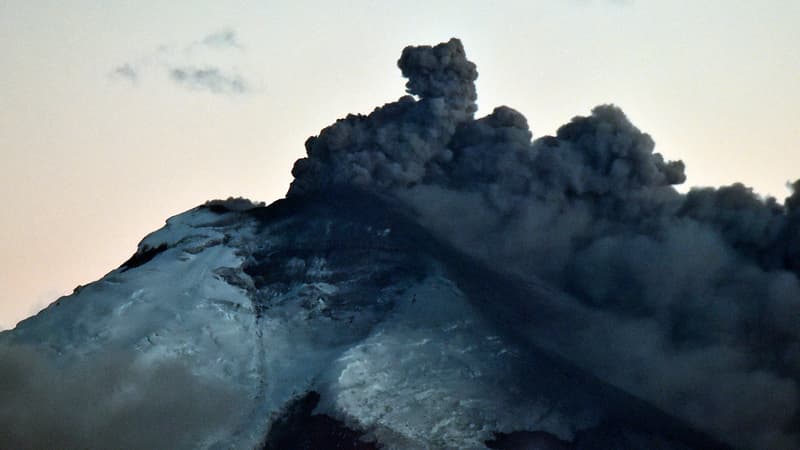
(116, 115)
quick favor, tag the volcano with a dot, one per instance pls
(435, 281)
(337, 321)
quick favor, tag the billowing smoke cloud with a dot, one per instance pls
(112, 400)
(688, 300)
(393, 146)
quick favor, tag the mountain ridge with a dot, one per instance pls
(375, 257)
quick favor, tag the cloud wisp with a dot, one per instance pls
(125, 72)
(192, 66)
(224, 39)
(210, 79)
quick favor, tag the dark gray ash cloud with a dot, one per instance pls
(191, 66)
(690, 301)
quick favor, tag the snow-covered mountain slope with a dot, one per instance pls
(329, 321)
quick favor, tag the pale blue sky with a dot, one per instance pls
(93, 161)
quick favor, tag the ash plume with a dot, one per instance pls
(687, 300)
